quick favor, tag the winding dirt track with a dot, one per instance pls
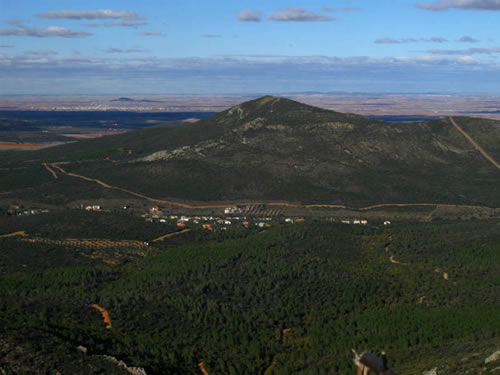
(276, 204)
(20, 233)
(170, 235)
(417, 205)
(104, 313)
(201, 365)
(51, 171)
(105, 185)
(393, 260)
(324, 206)
(479, 148)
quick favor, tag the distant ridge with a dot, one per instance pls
(125, 99)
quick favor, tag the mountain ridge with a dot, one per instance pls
(276, 149)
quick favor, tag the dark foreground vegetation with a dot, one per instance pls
(290, 300)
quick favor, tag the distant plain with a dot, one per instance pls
(364, 104)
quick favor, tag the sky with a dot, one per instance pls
(239, 47)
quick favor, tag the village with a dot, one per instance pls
(235, 216)
(18, 210)
(246, 216)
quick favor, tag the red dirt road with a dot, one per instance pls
(417, 205)
(104, 313)
(170, 235)
(201, 365)
(278, 204)
(19, 233)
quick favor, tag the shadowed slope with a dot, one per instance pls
(278, 149)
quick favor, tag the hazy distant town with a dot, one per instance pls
(384, 105)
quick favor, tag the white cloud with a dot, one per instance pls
(391, 41)
(295, 14)
(117, 72)
(468, 39)
(125, 50)
(346, 9)
(99, 14)
(51, 31)
(211, 36)
(460, 4)
(248, 15)
(243, 60)
(435, 39)
(43, 52)
(151, 33)
(468, 51)
(119, 23)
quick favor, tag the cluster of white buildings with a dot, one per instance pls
(211, 222)
(207, 222)
(361, 222)
(16, 210)
(233, 210)
(92, 208)
(355, 222)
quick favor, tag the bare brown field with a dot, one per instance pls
(6, 146)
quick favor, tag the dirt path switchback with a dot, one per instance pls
(104, 314)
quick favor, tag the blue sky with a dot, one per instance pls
(158, 47)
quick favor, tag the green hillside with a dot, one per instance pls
(292, 300)
(278, 149)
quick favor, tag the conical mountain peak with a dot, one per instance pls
(279, 110)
